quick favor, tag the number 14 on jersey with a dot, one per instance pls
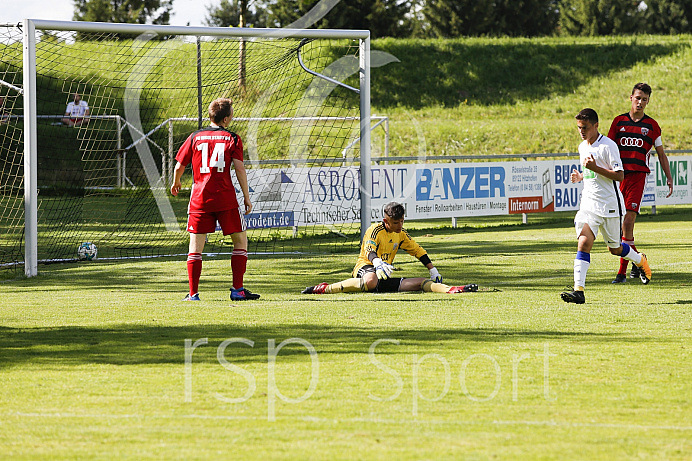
(217, 157)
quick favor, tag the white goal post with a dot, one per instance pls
(30, 28)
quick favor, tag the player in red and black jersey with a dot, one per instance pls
(212, 151)
(636, 133)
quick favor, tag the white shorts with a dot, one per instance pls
(611, 228)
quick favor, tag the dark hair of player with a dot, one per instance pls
(394, 210)
(643, 87)
(219, 109)
(587, 115)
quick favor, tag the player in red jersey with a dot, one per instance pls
(636, 133)
(212, 151)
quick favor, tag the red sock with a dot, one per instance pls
(238, 265)
(194, 270)
(624, 262)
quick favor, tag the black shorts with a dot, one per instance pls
(391, 285)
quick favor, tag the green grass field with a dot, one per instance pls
(93, 356)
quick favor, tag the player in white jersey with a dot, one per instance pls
(601, 207)
(77, 112)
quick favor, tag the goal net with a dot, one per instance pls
(103, 174)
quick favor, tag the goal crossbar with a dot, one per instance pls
(239, 32)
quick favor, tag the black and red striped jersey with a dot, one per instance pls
(635, 140)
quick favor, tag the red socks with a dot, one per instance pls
(238, 265)
(194, 270)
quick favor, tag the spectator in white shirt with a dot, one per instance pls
(77, 112)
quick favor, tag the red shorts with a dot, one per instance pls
(231, 222)
(632, 188)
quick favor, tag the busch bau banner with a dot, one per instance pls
(321, 195)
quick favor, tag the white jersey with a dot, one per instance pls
(77, 110)
(601, 196)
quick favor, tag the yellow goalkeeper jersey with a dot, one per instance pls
(385, 244)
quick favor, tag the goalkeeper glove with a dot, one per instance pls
(382, 269)
(435, 275)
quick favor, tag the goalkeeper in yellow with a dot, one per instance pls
(374, 268)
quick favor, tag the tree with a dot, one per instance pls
(384, 18)
(526, 18)
(124, 11)
(237, 13)
(668, 16)
(517, 18)
(228, 13)
(450, 18)
(601, 17)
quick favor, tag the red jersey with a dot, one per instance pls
(211, 151)
(635, 140)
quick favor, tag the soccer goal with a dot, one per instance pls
(301, 103)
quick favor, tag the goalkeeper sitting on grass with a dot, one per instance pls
(374, 266)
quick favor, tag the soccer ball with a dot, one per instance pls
(87, 251)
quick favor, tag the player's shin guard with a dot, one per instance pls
(238, 266)
(194, 271)
(429, 286)
(347, 286)
(624, 262)
(630, 254)
(581, 267)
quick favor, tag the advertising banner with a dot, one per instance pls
(300, 196)
(682, 190)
